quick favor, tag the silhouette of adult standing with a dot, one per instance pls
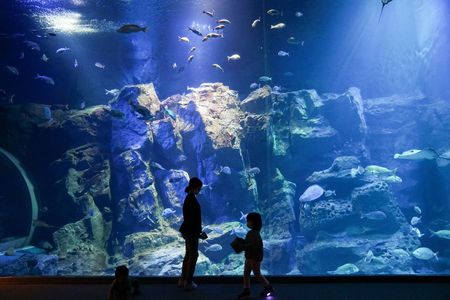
(191, 230)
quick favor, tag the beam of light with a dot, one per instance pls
(65, 21)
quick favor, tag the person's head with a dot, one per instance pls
(121, 273)
(195, 185)
(254, 221)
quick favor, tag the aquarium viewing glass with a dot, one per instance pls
(330, 118)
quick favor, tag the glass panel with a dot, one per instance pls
(330, 119)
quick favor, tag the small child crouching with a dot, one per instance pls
(123, 287)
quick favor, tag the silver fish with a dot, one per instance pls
(45, 79)
(13, 70)
(217, 66)
(63, 49)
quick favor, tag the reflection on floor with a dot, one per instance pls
(209, 291)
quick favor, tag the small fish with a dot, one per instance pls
(293, 41)
(190, 58)
(416, 231)
(243, 216)
(278, 26)
(107, 210)
(374, 169)
(13, 70)
(253, 171)
(254, 85)
(63, 49)
(45, 58)
(255, 22)
(274, 12)
(234, 57)
(157, 165)
(214, 35)
(239, 231)
(99, 65)
(265, 79)
(45, 79)
(217, 66)
(224, 21)
(346, 269)
(32, 45)
(209, 13)
(113, 92)
(329, 193)
(298, 14)
(181, 69)
(443, 234)
(283, 53)
(83, 105)
(195, 31)
(44, 209)
(424, 253)
(219, 27)
(214, 248)
(21, 55)
(417, 210)
(131, 28)
(393, 179)
(11, 99)
(168, 212)
(51, 33)
(374, 215)
(205, 38)
(192, 49)
(415, 220)
(75, 63)
(184, 39)
(174, 66)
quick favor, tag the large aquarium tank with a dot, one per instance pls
(330, 118)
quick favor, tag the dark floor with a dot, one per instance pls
(227, 291)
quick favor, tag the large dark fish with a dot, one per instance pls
(195, 31)
(131, 28)
(384, 3)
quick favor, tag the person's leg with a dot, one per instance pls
(256, 266)
(184, 267)
(268, 289)
(247, 271)
(192, 248)
(246, 292)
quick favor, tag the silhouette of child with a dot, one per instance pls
(253, 247)
(122, 288)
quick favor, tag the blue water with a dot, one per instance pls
(399, 61)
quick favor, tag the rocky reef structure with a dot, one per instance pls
(361, 223)
(111, 179)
